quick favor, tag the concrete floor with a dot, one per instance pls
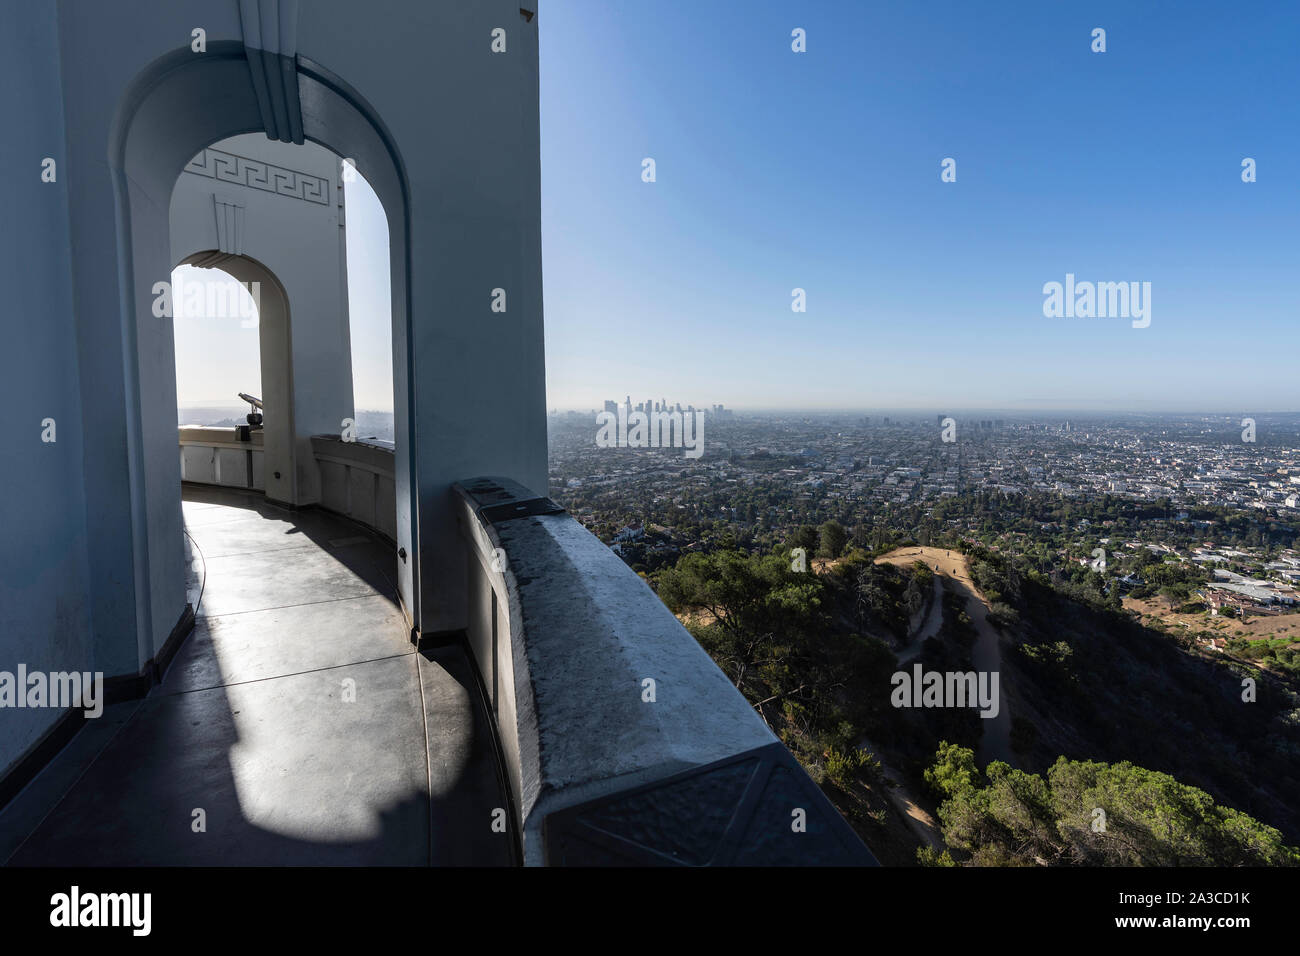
(297, 721)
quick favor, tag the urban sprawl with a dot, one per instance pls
(1218, 494)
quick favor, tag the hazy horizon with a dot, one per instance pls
(866, 410)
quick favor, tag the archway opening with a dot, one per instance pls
(220, 390)
(369, 310)
(166, 121)
(215, 324)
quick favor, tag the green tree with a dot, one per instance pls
(833, 537)
(769, 629)
(805, 536)
(954, 772)
(1096, 814)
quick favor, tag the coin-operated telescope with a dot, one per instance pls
(254, 417)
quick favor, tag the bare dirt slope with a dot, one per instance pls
(987, 653)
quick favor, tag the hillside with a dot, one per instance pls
(1091, 683)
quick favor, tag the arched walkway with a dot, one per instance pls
(177, 107)
(448, 142)
(297, 717)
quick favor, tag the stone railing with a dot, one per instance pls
(357, 480)
(356, 477)
(215, 455)
(622, 741)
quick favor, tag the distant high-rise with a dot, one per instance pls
(663, 406)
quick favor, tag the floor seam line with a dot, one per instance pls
(309, 544)
(281, 607)
(241, 554)
(262, 680)
(428, 763)
(214, 524)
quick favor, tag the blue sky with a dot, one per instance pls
(821, 171)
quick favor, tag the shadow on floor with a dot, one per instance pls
(296, 726)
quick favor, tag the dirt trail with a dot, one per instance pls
(920, 822)
(995, 744)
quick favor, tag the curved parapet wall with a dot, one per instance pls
(623, 741)
(357, 480)
(215, 455)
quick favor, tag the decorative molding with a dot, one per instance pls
(271, 44)
(258, 174)
(209, 260)
(230, 225)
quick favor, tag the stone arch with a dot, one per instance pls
(176, 107)
(275, 345)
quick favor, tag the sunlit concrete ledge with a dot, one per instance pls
(356, 478)
(215, 455)
(598, 692)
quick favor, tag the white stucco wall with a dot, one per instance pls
(45, 576)
(290, 220)
(445, 130)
